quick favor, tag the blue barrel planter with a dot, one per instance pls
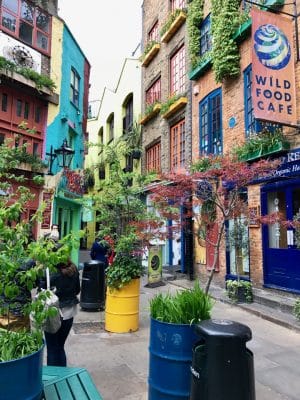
(170, 350)
(21, 379)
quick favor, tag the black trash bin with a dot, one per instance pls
(222, 366)
(92, 295)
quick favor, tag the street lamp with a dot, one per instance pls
(64, 155)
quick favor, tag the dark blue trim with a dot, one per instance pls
(170, 240)
(208, 99)
(281, 288)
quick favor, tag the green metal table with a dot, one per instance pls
(68, 383)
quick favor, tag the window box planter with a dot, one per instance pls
(200, 69)
(150, 55)
(277, 147)
(179, 20)
(243, 31)
(152, 114)
(180, 103)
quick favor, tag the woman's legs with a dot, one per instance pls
(55, 344)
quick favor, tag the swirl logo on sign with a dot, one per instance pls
(272, 47)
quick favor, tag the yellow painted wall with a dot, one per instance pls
(129, 81)
(55, 67)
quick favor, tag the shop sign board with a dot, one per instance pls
(273, 68)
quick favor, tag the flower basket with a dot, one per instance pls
(176, 24)
(239, 291)
(150, 55)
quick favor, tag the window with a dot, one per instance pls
(19, 108)
(100, 136)
(153, 94)
(177, 146)
(128, 118)
(175, 4)
(37, 114)
(4, 102)
(210, 124)
(27, 22)
(111, 127)
(178, 73)
(74, 94)
(26, 110)
(153, 158)
(205, 36)
(153, 33)
(2, 138)
(36, 149)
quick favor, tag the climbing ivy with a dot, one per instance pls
(225, 18)
(194, 19)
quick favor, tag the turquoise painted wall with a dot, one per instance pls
(68, 122)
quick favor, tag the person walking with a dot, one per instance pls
(99, 251)
(67, 284)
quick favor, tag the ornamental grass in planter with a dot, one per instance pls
(172, 337)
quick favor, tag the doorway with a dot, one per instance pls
(281, 244)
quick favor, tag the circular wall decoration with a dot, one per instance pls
(272, 47)
(22, 57)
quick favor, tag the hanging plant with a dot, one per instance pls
(194, 19)
(225, 20)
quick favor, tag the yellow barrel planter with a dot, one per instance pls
(122, 308)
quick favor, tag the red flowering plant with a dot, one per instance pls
(212, 194)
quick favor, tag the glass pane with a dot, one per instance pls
(42, 41)
(9, 21)
(238, 244)
(4, 102)
(19, 108)
(26, 110)
(27, 12)
(11, 5)
(35, 149)
(277, 233)
(42, 21)
(37, 117)
(2, 138)
(25, 32)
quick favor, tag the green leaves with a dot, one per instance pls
(188, 306)
(14, 345)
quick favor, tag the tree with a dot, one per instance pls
(211, 193)
(123, 218)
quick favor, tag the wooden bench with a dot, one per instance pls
(68, 383)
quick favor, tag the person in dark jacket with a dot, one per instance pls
(99, 251)
(67, 284)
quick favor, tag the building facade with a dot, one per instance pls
(166, 104)
(111, 119)
(230, 107)
(26, 88)
(44, 104)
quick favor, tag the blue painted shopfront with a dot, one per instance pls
(281, 248)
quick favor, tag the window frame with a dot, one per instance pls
(36, 29)
(153, 34)
(153, 93)
(74, 87)
(208, 124)
(177, 146)
(153, 158)
(128, 113)
(178, 72)
(205, 38)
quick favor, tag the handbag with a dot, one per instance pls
(53, 321)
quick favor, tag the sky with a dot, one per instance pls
(107, 32)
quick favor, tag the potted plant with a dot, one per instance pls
(133, 141)
(122, 215)
(172, 337)
(239, 289)
(22, 262)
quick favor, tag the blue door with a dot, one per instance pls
(281, 245)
